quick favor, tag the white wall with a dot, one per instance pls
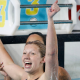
(72, 59)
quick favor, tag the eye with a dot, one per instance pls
(33, 53)
(24, 53)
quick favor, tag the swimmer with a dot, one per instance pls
(63, 74)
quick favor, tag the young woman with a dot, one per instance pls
(32, 59)
(62, 73)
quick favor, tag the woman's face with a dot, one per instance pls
(35, 37)
(31, 58)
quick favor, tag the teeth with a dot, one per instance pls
(27, 62)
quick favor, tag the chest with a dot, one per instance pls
(42, 77)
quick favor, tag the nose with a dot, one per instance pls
(27, 56)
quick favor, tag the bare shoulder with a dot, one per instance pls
(63, 74)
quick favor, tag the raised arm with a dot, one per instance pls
(13, 70)
(51, 58)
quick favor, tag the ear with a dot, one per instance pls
(43, 60)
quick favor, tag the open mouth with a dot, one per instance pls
(28, 64)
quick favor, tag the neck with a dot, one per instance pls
(34, 75)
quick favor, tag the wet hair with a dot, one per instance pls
(40, 34)
(42, 47)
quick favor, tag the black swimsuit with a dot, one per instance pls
(35, 79)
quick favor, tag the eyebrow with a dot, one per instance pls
(29, 52)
